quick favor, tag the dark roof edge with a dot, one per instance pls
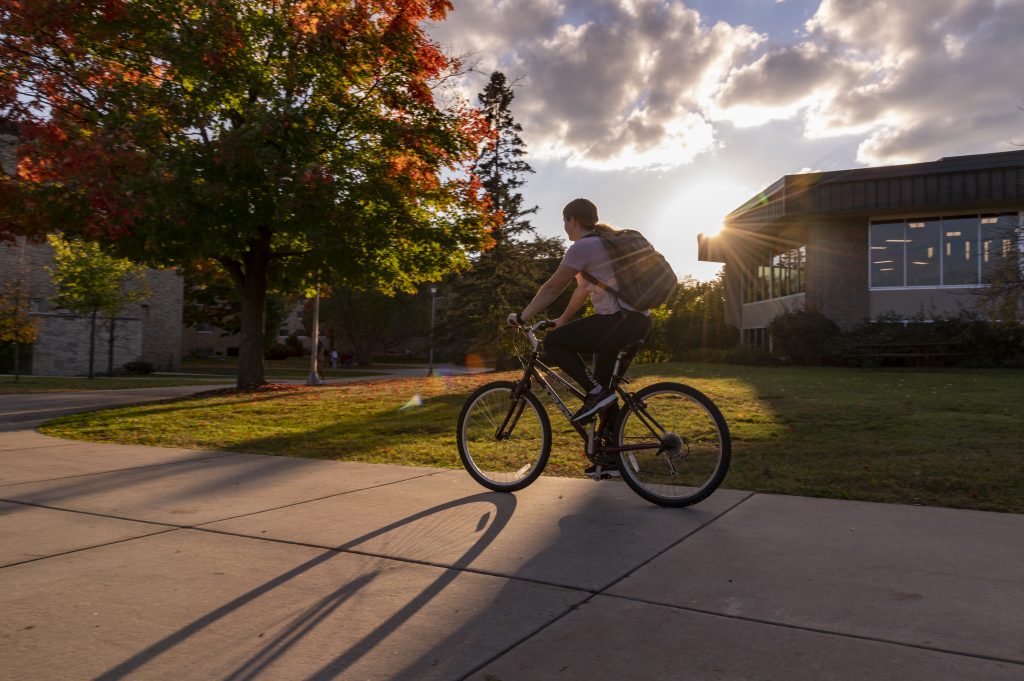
(947, 164)
(999, 159)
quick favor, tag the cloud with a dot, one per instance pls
(610, 84)
(936, 78)
(602, 83)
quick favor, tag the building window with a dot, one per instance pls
(956, 250)
(777, 275)
(924, 267)
(756, 338)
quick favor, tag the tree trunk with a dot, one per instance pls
(92, 341)
(17, 362)
(110, 349)
(251, 278)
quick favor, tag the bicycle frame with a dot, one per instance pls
(536, 370)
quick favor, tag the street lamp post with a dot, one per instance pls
(314, 377)
(433, 310)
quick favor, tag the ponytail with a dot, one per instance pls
(585, 213)
(602, 228)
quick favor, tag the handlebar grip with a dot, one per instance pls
(546, 324)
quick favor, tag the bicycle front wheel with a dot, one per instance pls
(688, 445)
(503, 444)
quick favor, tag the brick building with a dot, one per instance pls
(915, 240)
(149, 330)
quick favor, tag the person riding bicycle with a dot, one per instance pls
(614, 324)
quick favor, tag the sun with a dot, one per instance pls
(696, 208)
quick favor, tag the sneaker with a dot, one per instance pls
(610, 470)
(593, 403)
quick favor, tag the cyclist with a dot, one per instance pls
(614, 324)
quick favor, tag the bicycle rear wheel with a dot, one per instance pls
(693, 445)
(518, 458)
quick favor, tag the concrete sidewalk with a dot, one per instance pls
(127, 562)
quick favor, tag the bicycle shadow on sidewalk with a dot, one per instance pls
(490, 525)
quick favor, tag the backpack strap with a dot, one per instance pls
(594, 280)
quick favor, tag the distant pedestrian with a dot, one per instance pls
(334, 359)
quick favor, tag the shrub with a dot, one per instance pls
(744, 354)
(294, 345)
(277, 351)
(138, 368)
(982, 343)
(804, 337)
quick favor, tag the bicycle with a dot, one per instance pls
(671, 442)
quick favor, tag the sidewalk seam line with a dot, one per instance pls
(98, 515)
(398, 559)
(308, 501)
(814, 630)
(199, 526)
(599, 592)
(164, 530)
(121, 470)
(679, 541)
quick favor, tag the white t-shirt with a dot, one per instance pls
(589, 255)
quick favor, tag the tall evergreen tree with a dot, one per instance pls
(501, 165)
(504, 277)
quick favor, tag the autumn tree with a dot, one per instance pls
(90, 282)
(278, 139)
(17, 326)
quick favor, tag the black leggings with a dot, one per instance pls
(601, 334)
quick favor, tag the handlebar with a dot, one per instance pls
(531, 331)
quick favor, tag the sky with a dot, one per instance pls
(669, 115)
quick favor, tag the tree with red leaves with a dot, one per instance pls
(283, 140)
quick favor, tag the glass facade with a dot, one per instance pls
(888, 253)
(777, 275)
(957, 250)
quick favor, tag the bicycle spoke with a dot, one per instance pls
(519, 455)
(687, 445)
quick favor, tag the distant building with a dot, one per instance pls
(208, 340)
(149, 330)
(916, 240)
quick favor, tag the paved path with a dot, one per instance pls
(127, 562)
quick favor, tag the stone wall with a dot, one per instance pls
(161, 320)
(63, 345)
(148, 330)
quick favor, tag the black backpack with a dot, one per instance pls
(645, 278)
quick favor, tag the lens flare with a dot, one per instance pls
(414, 401)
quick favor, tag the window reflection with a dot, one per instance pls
(960, 250)
(998, 241)
(888, 246)
(923, 246)
(777, 275)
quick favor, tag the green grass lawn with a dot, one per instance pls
(947, 438)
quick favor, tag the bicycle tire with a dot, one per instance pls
(512, 463)
(680, 472)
